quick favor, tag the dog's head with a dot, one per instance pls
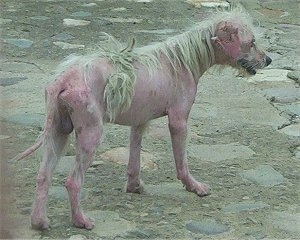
(235, 45)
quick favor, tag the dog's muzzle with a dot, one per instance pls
(247, 65)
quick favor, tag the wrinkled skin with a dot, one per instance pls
(74, 105)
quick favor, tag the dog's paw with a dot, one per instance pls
(82, 221)
(201, 189)
(135, 187)
(40, 223)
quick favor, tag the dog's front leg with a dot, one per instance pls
(178, 131)
(134, 184)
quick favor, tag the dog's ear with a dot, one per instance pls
(217, 42)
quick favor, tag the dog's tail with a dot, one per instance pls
(51, 92)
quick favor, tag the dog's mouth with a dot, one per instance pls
(245, 64)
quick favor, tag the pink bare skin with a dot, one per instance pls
(73, 104)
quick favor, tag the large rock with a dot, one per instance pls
(245, 207)
(270, 75)
(169, 189)
(75, 22)
(208, 3)
(120, 155)
(21, 43)
(109, 224)
(283, 94)
(263, 175)
(27, 119)
(286, 221)
(291, 130)
(206, 227)
(220, 152)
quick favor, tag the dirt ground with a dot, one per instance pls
(227, 110)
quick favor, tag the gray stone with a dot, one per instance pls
(294, 108)
(206, 227)
(297, 153)
(294, 75)
(121, 20)
(97, 163)
(244, 207)
(220, 152)
(75, 22)
(31, 119)
(291, 130)
(5, 21)
(11, 80)
(214, 4)
(283, 95)
(81, 14)
(140, 1)
(41, 18)
(291, 109)
(209, 4)
(64, 45)
(288, 27)
(62, 37)
(120, 9)
(285, 221)
(263, 175)
(89, 5)
(158, 31)
(110, 224)
(21, 43)
(21, 67)
(3, 137)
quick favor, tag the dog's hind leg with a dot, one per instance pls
(178, 131)
(53, 146)
(87, 123)
(134, 183)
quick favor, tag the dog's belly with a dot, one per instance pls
(141, 112)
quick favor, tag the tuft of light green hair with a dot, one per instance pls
(119, 88)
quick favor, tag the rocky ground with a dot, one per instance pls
(244, 138)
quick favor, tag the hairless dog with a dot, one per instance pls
(131, 86)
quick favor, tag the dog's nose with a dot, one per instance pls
(268, 61)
